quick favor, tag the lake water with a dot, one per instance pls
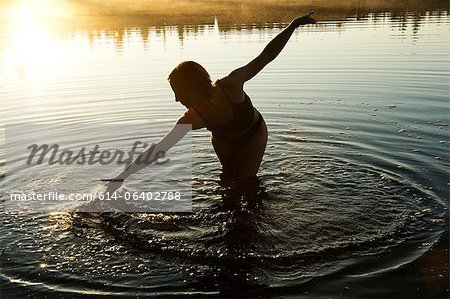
(355, 176)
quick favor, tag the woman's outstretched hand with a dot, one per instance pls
(305, 20)
(113, 185)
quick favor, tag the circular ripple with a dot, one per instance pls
(319, 215)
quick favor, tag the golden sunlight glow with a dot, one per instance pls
(29, 46)
(37, 9)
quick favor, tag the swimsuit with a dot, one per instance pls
(241, 127)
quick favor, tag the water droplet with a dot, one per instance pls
(438, 221)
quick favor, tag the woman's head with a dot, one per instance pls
(190, 82)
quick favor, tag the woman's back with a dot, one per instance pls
(222, 122)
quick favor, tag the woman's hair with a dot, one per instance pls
(190, 74)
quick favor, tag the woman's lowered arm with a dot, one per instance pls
(151, 154)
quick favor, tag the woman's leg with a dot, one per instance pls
(248, 156)
(241, 163)
(225, 152)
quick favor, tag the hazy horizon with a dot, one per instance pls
(117, 13)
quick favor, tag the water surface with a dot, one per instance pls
(354, 180)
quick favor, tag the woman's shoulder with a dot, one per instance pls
(192, 117)
(230, 80)
(232, 88)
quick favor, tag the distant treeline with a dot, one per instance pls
(110, 14)
(246, 11)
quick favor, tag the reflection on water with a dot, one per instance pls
(30, 45)
(40, 35)
(29, 20)
(355, 173)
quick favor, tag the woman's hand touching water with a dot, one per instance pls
(113, 185)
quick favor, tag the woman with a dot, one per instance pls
(239, 133)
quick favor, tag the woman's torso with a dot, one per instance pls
(230, 111)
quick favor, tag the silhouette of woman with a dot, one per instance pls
(239, 133)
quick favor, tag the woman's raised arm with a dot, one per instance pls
(271, 51)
